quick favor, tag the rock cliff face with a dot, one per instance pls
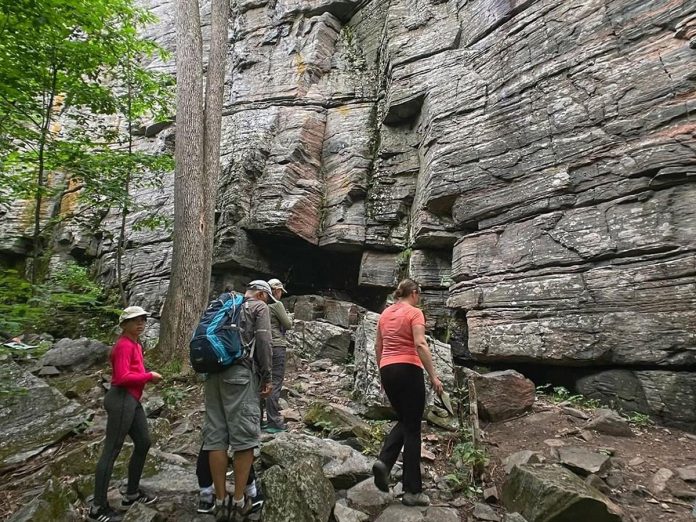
(530, 162)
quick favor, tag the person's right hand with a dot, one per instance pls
(266, 390)
(156, 377)
(437, 385)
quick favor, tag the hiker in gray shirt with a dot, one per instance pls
(232, 409)
(280, 323)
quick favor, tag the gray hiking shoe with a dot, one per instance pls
(415, 499)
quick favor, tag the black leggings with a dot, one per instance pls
(125, 416)
(205, 477)
(405, 388)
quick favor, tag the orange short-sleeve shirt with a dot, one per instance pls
(396, 326)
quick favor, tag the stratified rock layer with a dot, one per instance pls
(538, 154)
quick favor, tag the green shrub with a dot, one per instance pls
(559, 394)
(67, 304)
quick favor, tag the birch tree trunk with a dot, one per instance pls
(197, 154)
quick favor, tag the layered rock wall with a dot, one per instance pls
(530, 162)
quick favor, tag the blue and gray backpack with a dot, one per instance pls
(217, 342)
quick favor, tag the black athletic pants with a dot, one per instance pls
(205, 477)
(125, 416)
(405, 388)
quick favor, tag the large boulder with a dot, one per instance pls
(76, 354)
(342, 313)
(551, 493)
(341, 464)
(308, 307)
(503, 395)
(34, 415)
(663, 394)
(320, 340)
(298, 490)
(337, 421)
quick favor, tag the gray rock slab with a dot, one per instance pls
(76, 354)
(400, 513)
(547, 492)
(658, 482)
(343, 513)
(298, 490)
(583, 461)
(141, 513)
(320, 340)
(609, 422)
(172, 479)
(687, 473)
(365, 494)
(34, 415)
(522, 457)
(485, 512)
(342, 465)
(337, 421)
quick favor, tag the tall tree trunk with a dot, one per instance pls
(41, 174)
(184, 303)
(124, 207)
(214, 94)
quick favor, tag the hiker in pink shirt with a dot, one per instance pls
(125, 416)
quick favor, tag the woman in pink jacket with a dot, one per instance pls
(125, 416)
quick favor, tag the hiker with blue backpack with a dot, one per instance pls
(232, 346)
(125, 416)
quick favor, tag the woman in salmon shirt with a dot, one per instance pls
(402, 353)
(125, 416)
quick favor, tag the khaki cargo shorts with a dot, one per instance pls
(232, 410)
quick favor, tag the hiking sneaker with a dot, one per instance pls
(257, 501)
(104, 514)
(380, 472)
(239, 513)
(415, 499)
(206, 503)
(223, 511)
(140, 497)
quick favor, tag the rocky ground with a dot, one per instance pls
(646, 472)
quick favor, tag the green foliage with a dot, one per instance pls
(639, 420)
(469, 461)
(559, 394)
(68, 304)
(466, 454)
(81, 62)
(173, 395)
(9, 390)
(372, 442)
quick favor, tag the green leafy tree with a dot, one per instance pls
(74, 60)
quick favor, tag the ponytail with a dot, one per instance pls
(406, 288)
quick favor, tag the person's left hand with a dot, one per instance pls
(266, 390)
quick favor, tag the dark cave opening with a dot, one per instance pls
(308, 269)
